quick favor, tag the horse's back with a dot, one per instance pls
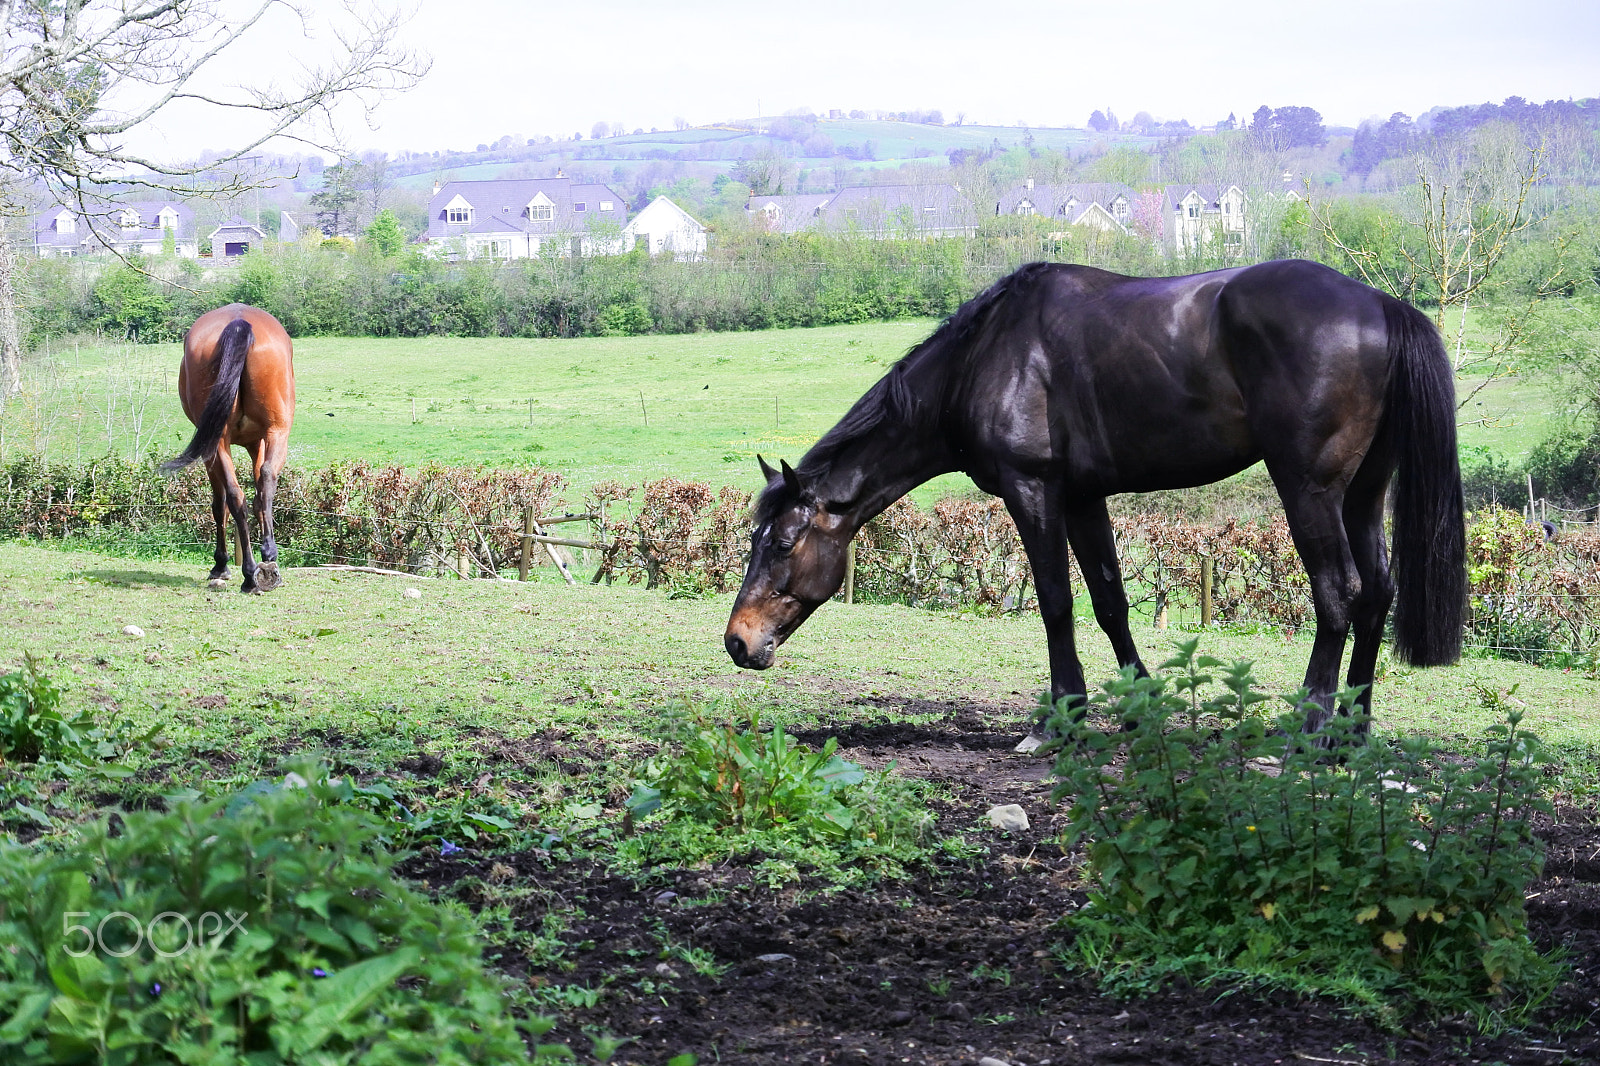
(266, 387)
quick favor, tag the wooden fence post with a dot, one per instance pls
(850, 573)
(527, 542)
(1207, 572)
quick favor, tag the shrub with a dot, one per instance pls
(34, 729)
(715, 788)
(1394, 879)
(263, 928)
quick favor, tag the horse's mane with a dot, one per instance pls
(892, 397)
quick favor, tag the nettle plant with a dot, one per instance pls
(266, 927)
(1224, 843)
(722, 785)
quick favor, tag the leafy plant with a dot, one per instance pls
(266, 927)
(718, 788)
(1224, 844)
(33, 727)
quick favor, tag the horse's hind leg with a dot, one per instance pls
(1089, 530)
(268, 456)
(1364, 526)
(1316, 521)
(219, 513)
(221, 465)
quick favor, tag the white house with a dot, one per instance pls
(519, 219)
(141, 228)
(664, 228)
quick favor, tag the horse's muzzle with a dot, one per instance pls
(742, 656)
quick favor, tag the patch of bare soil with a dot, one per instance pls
(956, 963)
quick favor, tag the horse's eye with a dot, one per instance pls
(784, 546)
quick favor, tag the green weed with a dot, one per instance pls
(34, 729)
(715, 788)
(1393, 879)
(268, 920)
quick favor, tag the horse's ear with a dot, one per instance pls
(767, 473)
(790, 478)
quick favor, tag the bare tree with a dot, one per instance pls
(1469, 207)
(78, 77)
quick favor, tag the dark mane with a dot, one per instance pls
(892, 396)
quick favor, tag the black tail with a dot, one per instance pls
(1430, 564)
(235, 345)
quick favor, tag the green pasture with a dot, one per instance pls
(632, 408)
(345, 660)
(695, 406)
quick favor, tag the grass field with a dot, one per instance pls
(695, 406)
(347, 650)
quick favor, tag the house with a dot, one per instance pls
(234, 238)
(793, 213)
(522, 218)
(1200, 214)
(881, 211)
(1105, 206)
(288, 228)
(876, 211)
(128, 228)
(664, 228)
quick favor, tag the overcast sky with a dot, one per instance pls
(534, 68)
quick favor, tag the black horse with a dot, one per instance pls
(1061, 385)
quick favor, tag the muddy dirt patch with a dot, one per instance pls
(962, 960)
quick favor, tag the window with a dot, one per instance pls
(65, 223)
(1119, 210)
(1194, 210)
(606, 205)
(580, 206)
(168, 219)
(458, 214)
(541, 212)
(130, 220)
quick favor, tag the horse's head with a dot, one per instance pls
(797, 562)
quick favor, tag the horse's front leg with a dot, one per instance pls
(1037, 509)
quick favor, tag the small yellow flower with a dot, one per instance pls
(1250, 828)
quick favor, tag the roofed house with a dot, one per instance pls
(1201, 214)
(901, 211)
(141, 228)
(234, 238)
(792, 213)
(1104, 206)
(876, 211)
(520, 218)
(664, 228)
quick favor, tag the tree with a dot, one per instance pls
(1469, 207)
(335, 203)
(384, 234)
(79, 77)
(599, 130)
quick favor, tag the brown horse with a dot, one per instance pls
(237, 387)
(1062, 385)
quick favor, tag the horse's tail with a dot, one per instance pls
(1430, 567)
(234, 345)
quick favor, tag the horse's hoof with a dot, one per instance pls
(250, 588)
(218, 582)
(267, 577)
(1030, 744)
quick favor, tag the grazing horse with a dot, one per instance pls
(1063, 384)
(236, 384)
